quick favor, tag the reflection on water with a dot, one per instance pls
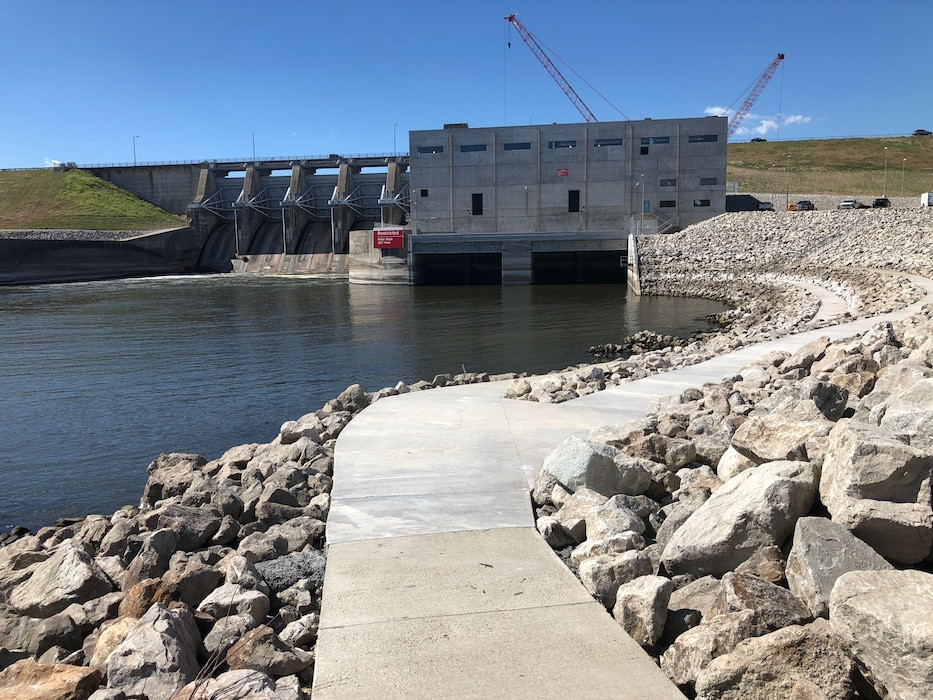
(98, 378)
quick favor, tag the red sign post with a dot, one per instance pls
(388, 238)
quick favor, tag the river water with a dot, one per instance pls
(97, 379)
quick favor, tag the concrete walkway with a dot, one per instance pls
(437, 583)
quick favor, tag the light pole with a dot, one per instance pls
(903, 167)
(787, 184)
(394, 147)
(134, 149)
(773, 166)
(884, 186)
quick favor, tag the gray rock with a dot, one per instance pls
(777, 436)
(888, 634)
(69, 576)
(158, 656)
(611, 518)
(794, 662)
(262, 650)
(171, 475)
(191, 580)
(767, 564)
(602, 575)
(227, 630)
(242, 684)
(754, 509)
(285, 571)
(822, 552)
(696, 648)
(572, 514)
(614, 544)
(28, 678)
(775, 607)
(688, 605)
(233, 599)
(879, 488)
(578, 463)
(733, 462)
(192, 526)
(553, 533)
(910, 413)
(641, 608)
(153, 557)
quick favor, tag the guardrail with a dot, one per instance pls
(245, 160)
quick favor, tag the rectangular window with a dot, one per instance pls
(701, 202)
(654, 140)
(430, 149)
(561, 144)
(424, 193)
(670, 182)
(644, 150)
(708, 180)
(477, 204)
(473, 147)
(667, 203)
(703, 138)
(517, 146)
(599, 143)
(573, 200)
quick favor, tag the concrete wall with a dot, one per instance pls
(369, 265)
(170, 187)
(73, 259)
(529, 178)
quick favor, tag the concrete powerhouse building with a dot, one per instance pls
(532, 204)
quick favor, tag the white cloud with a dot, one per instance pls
(797, 119)
(717, 112)
(50, 163)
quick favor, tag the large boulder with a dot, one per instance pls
(572, 514)
(158, 655)
(910, 413)
(697, 647)
(242, 684)
(884, 619)
(261, 649)
(28, 678)
(602, 575)
(69, 576)
(794, 662)
(232, 599)
(578, 463)
(611, 518)
(778, 436)
(774, 606)
(822, 552)
(641, 608)
(756, 508)
(879, 488)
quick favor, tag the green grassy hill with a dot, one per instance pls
(834, 166)
(74, 199)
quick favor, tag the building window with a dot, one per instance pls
(473, 147)
(424, 193)
(430, 149)
(670, 182)
(703, 138)
(708, 181)
(477, 204)
(667, 203)
(599, 143)
(654, 140)
(561, 144)
(701, 202)
(644, 150)
(517, 146)
(573, 200)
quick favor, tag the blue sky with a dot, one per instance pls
(199, 80)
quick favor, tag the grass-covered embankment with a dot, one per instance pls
(74, 199)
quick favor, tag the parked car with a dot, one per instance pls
(922, 132)
(850, 204)
(758, 139)
(765, 206)
(805, 205)
(881, 203)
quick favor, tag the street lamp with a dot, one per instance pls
(884, 186)
(773, 166)
(903, 167)
(394, 147)
(134, 149)
(641, 225)
(787, 184)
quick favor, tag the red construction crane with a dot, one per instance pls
(549, 66)
(759, 87)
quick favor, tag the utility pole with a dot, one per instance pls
(903, 167)
(787, 184)
(884, 186)
(134, 150)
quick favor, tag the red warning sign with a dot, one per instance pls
(388, 238)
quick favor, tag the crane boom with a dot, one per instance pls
(755, 93)
(549, 66)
